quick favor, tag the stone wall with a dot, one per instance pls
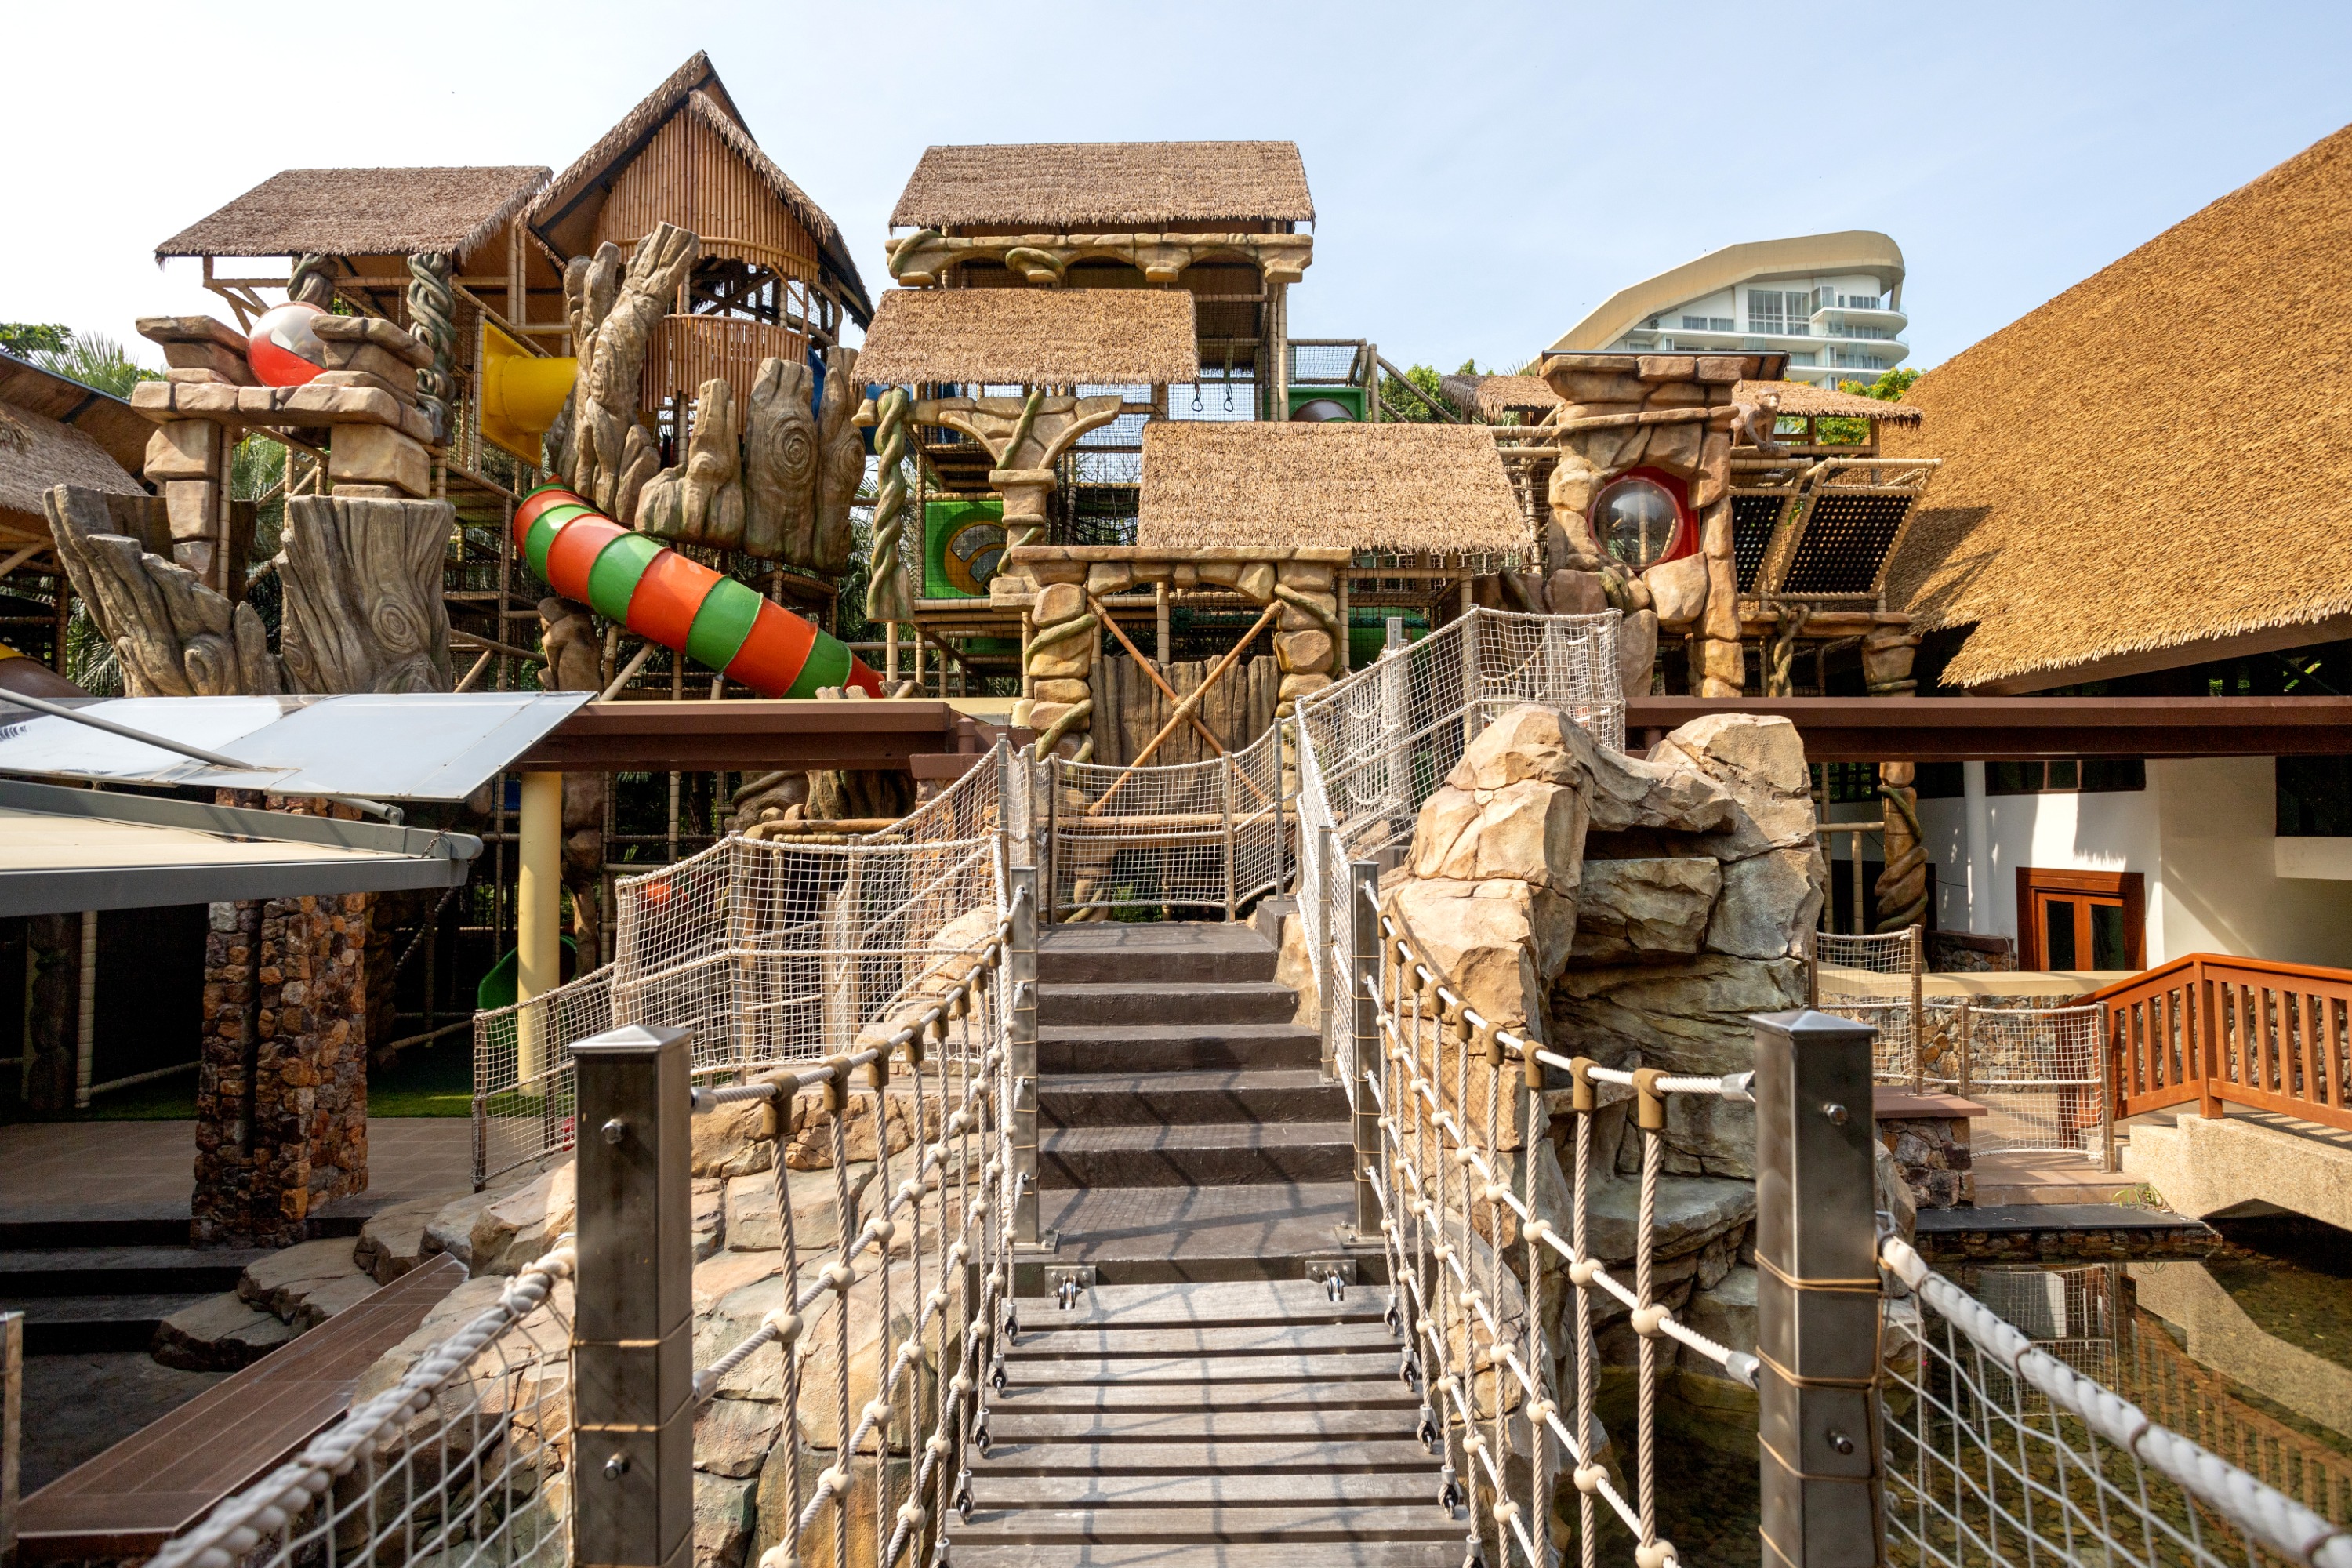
(281, 1085)
(1932, 1153)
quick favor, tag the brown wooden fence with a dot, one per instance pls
(2244, 1031)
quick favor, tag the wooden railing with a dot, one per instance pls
(2244, 1031)
(687, 350)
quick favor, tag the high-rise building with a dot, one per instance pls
(1831, 302)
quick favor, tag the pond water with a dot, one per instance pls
(2248, 1351)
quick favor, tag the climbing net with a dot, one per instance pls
(772, 951)
(1875, 979)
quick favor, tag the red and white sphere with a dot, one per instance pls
(283, 350)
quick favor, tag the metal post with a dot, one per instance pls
(12, 1427)
(1281, 832)
(1967, 1028)
(1363, 977)
(633, 1341)
(539, 916)
(2106, 1094)
(1919, 1012)
(1225, 804)
(1473, 708)
(1050, 861)
(1021, 1052)
(1817, 1291)
(1328, 840)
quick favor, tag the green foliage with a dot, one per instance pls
(97, 361)
(1889, 387)
(1397, 406)
(26, 339)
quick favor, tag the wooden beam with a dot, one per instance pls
(699, 736)
(2025, 729)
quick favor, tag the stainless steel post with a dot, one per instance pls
(633, 1341)
(1363, 977)
(1333, 1006)
(1225, 804)
(1817, 1291)
(1021, 1052)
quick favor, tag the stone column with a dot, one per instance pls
(281, 1091)
(1062, 662)
(54, 1011)
(187, 460)
(1309, 639)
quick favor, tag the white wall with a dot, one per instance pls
(2203, 836)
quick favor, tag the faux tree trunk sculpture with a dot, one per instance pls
(842, 463)
(432, 316)
(888, 597)
(363, 607)
(701, 501)
(173, 636)
(1025, 435)
(781, 462)
(611, 454)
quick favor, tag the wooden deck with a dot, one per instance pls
(151, 1486)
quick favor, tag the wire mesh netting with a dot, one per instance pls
(1870, 979)
(2037, 1071)
(466, 1460)
(1999, 1449)
(771, 951)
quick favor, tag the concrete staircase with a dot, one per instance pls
(1200, 1399)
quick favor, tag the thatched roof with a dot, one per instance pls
(1803, 399)
(1061, 184)
(121, 431)
(362, 212)
(1489, 397)
(36, 452)
(1031, 337)
(2156, 459)
(565, 212)
(1366, 487)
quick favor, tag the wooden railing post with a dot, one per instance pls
(2207, 1023)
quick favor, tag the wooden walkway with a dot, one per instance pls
(151, 1486)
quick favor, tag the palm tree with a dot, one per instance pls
(97, 361)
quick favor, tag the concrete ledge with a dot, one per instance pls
(2213, 1166)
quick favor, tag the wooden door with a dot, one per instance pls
(2080, 920)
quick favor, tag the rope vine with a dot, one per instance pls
(432, 316)
(888, 598)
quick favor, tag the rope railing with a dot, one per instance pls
(1977, 1471)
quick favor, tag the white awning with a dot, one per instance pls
(67, 850)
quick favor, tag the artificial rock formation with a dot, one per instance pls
(701, 501)
(363, 610)
(781, 463)
(1634, 910)
(1671, 413)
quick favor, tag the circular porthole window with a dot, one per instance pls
(1639, 520)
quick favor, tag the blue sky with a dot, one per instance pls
(1485, 174)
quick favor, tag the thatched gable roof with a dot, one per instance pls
(1366, 487)
(564, 213)
(1803, 399)
(2157, 459)
(1146, 185)
(121, 431)
(362, 212)
(1489, 397)
(1031, 337)
(37, 452)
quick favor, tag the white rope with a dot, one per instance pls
(2263, 1512)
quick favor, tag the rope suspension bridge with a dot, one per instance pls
(1180, 1263)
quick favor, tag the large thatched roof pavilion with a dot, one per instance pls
(2149, 470)
(1131, 185)
(1030, 338)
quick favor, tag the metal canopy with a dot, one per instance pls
(67, 850)
(419, 746)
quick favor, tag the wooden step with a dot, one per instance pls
(1114, 950)
(1293, 1457)
(1183, 1098)
(1232, 1153)
(1142, 1235)
(1041, 1342)
(1338, 1488)
(1138, 1048)
(1230, 1303)
(1130, 1370)
(1166, 1002)
(1210, 1554)
(1297, 1424)
(1034, 1398)
(1295, 1525)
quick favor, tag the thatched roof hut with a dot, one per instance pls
(363, 212)
(593, 200)
(2150, 471)
(1804, 400)
(1490, 397)
(1410, 487)
(1031, 337)
(52, 432)
(1058, 185)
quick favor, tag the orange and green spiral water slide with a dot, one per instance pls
(660, 594)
